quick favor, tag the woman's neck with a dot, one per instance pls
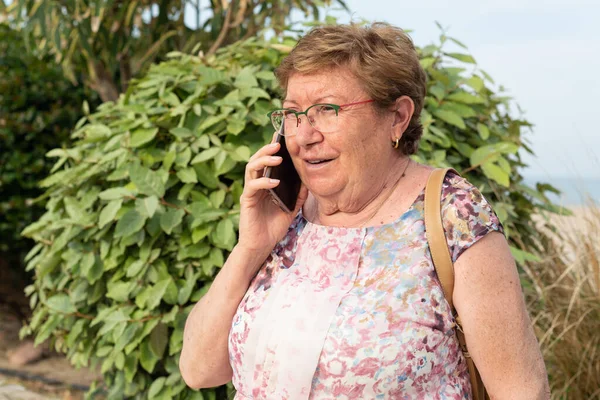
(358, 209)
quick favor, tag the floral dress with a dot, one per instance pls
(357, 313)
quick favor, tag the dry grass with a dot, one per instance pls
(564, 303)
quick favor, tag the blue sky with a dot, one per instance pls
(545, 53)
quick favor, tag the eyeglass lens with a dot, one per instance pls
(323, 118)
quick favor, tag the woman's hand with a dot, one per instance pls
(262, 222)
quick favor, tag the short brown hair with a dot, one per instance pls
(381, 56)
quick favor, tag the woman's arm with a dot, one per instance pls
(489, 300)
(204, 360)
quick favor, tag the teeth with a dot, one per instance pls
(317, 162)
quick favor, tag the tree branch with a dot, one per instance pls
(102, 82)
(223, 32)
(125, 70)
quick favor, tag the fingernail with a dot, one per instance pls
(275, 158)
(273, 144)
(273, 180)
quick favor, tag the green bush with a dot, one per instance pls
(38, 109)
(143, 209)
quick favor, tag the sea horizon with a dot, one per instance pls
(575, 191)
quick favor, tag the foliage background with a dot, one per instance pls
(141, 204)
(143, 209)
(38, 108)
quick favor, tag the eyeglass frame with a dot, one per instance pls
(336, 107)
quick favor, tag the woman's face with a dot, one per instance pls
(359, 151)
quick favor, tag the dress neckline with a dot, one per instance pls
(389, 224)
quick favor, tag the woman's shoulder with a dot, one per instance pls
(454, 184)
(467, 215)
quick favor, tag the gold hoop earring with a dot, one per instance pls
(397, 143)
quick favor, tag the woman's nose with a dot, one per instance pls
(306, 134)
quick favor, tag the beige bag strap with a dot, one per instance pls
(442, 262)
(434, 230)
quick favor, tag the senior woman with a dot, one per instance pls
(339, 299)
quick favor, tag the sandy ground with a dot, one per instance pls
(53, 367)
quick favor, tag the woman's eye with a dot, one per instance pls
(325, 109)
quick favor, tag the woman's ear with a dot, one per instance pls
(403, 110)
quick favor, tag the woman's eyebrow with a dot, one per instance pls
(317, 101)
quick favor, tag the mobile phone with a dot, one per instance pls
(286, 193)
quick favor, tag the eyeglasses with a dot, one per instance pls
(322, 117)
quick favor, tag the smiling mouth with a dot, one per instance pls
(316, 162)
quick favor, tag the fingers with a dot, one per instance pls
(260, 163)
(254, 185)
(269, 149)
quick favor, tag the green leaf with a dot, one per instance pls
(206, 155)
(202, 214)
(241, 153)
(196, 251)
(197, 108)
(142, 136)
(129, 224)
(48, 328)
(95, 271)
(265, 75)
(183, 157)
(109, 212)
(476, 83)
(170, 219)
(130, 369)
(484, 154)
(74, 209)
(187, 175)
(200, 233)
(438, 91)
(255, 93)
(61, 303)
(156, 387)
(245, 79)
(217, 197)
(206, 176)
(235, 126)
(466, 98)
(210, 76)
(119, 291)
(216, 257)
(521, 256)
(115, 193)
(156, 293)
(225, 234)
(427, 62)
(450, 117)
(87, 262)
(147, 206)
(496, 173)
(458, 43)
(147, 358)
(210, 121)
(169, 159)
(181, 133)
(135, 268)
(159, 339)
(462, 57)
(186, 290)
(483, 131)
(147, 181)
